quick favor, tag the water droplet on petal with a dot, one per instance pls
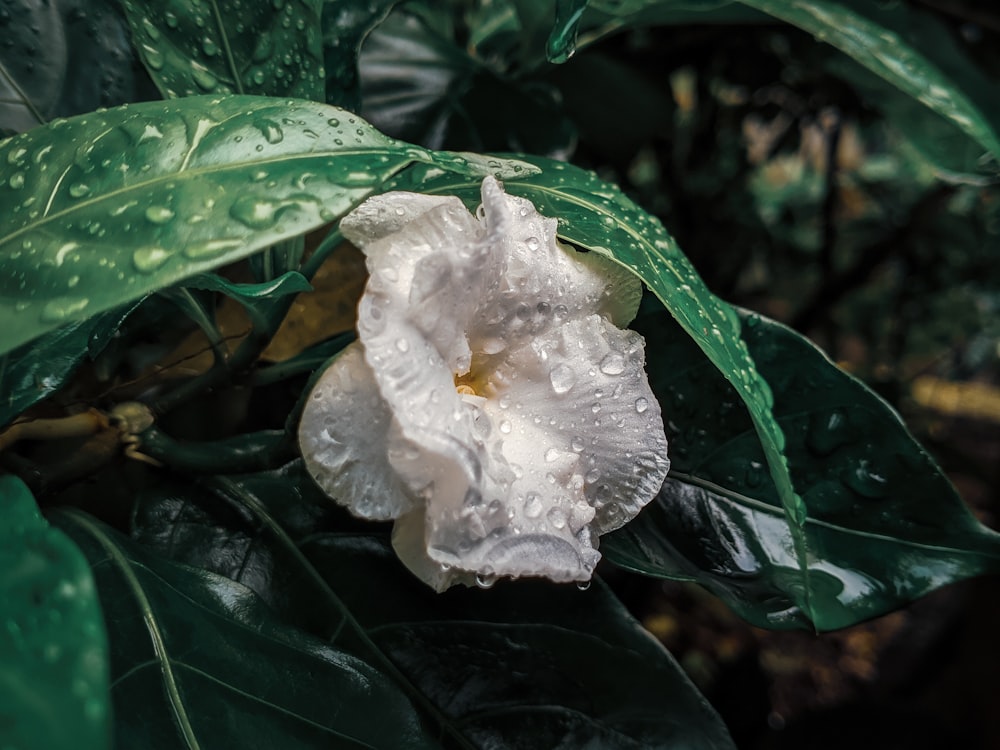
(533, 505)
(613, 364)
(505, 427)
(532, 243)
(557, 517)
(641, 405)
(562, 378)
(486, 578)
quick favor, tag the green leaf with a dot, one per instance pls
(112, 205)
(885, 526)
(200, 661)
(40, 368)
(424, 87)
(908, 47)
(258, 298)
(61, 59)
(53, 654)
(596, 215)
(526, 664)
(346, 23)
(191, 47)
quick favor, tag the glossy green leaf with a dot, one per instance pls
(200, 661)
(885, 526)
(908, 47)
(53, 653)
(109, 206)
(258, 298)
(596, 215)
(525, 664)
(38, 369)
(346, 23)
(191, 47)
(61, 59)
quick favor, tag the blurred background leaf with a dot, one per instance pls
(53, 656)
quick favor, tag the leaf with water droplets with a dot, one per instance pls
(599, 217)
(53, 653)
(532, 665)
(199, 660)
(119, 203)
(38, 369)
(230, 46)
(885, 526)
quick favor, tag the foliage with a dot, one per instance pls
(832, 163)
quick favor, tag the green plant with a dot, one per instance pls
(181, 536)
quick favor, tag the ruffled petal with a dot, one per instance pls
(343, 435)
(540, 282)
(582, 421)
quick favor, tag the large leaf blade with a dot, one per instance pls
(523, 665)
(230, 47)
(884, 523)
(109, 206)
(200, 661)
(53, 656)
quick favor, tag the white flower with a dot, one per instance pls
(491, 406)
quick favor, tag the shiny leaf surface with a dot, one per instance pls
(200, 661)
(60, 59)
(35, 370)
(527, 664)
(596, 215)
(109, 206)
(53, 654)
(230, 47)
(885, 526)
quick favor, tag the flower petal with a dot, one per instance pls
(580, 415)
(343, 435)
(541, 282)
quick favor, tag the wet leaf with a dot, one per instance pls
(200, 661)
(885, 526)
(60, 59)
(597, 216)
(527, 664)
(109, 206)
(191, 47)
(38, 369)
(53, 654)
